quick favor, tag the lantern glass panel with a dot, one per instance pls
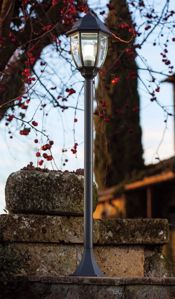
(89, 48)
(103, 48)
(75, 49)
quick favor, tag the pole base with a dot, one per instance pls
(88, 265)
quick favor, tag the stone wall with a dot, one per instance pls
(88, 288)
(43, 236)
(53, 243)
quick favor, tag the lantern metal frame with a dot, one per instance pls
(88, 24)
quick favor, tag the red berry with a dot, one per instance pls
(49, 158)
(46, 147)
(40, 163)
(34, 123)
(23, 106)
(115, 80)
(71, 91)
(25, 131)
(10, 117)
(38, 154)
(74, 151)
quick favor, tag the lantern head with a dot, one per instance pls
(89, 44)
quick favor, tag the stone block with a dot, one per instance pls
(133, 231)
(54, 244)
(87, 288)
(53, 259)
(44, 228)
(41, 229)
(146, 292)
(156, 263)
(48, 192)
(121, 261)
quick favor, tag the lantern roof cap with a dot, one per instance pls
(90, 22)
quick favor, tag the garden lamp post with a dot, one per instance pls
(89, 45)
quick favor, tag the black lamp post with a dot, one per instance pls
(89, 45)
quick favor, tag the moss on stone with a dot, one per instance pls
(51, 192)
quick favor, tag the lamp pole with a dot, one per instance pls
(89, 44)
(88, 162)
(88, 265)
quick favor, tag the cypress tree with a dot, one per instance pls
(118, 146)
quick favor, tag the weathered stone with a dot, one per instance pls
(156, 263)
(52, 192)
(46, 239)
(87, 288)
(57, 229)
(53, 259)
(133, 231)
(39, 259)
(121, 261)
(148, 292)
(41, 228)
